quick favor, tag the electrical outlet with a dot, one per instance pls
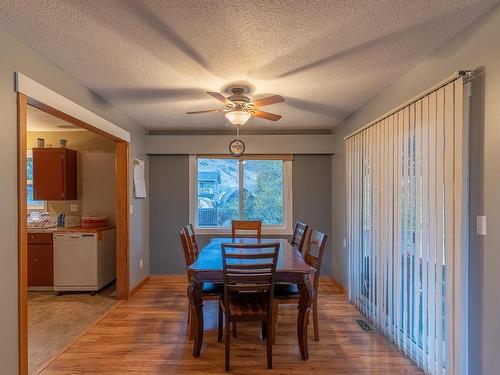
(73, 207)
(481, 225)
(140, 263)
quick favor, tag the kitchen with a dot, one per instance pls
(71, 194)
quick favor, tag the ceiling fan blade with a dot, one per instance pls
(265, 115)
(267, 101)
(221, 98)
(208, 110)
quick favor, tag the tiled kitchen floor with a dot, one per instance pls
(54, 323)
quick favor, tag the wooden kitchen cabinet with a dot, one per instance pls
(54, 174)
(40, 260)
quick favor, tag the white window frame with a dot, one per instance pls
(284, 229)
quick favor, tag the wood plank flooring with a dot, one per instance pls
(147, 335)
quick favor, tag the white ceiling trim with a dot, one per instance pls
(255, 144)
(37, 91)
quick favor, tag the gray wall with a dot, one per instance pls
(169, 187)
(169, 199)
(17, 57)
(477, 46)
(312, 187)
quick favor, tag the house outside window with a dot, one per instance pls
(208, 184)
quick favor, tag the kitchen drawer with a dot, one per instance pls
(39, 238)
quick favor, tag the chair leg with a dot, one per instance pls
(264, 330)
(315, 319)
(274, 322)
(190, 324)
(269, 345)
(227, 337)
(219, 326)
(234, 329)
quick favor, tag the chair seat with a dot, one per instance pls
(283, 291)
(211, 288)
(248, 305)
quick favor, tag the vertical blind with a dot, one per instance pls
(405, 207)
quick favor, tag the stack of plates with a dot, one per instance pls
(93, 221)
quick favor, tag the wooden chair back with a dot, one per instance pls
(192, 238)
(254, 226)
(314, 254)
(189, 252)
(249, 268)
(299, 235)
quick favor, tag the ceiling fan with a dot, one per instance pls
(239, 107)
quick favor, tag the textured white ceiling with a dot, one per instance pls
(42, 121)
(155, 59)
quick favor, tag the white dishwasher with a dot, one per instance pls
(84, 261)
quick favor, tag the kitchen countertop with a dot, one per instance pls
(70, 229)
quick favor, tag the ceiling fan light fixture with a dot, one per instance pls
(238, 117)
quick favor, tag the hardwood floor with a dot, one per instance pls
(147, 335)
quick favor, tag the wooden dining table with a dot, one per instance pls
(291, 268)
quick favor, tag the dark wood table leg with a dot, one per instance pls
(196, 300)
(306, 297)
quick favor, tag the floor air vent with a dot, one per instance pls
(364, 325)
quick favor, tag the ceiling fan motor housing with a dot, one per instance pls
(239, 97)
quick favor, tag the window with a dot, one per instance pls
(225, 189)
(31, 203)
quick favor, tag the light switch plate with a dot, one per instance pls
(345, 242)
(131, 209)
(140, 263)
(73, 207)
(481, 225)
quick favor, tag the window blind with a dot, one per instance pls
(406, 213)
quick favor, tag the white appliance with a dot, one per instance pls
(84, 261)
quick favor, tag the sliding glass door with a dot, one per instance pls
(405, 214)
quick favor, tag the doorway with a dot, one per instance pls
(121, 177)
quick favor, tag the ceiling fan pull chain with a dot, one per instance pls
(237, 132)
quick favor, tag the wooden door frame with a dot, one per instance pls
(122, 216)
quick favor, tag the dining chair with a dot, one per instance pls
(210, 290)
(299, 235)
(289, 293)
(249, 280)
(246, 228)
(250, 228)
